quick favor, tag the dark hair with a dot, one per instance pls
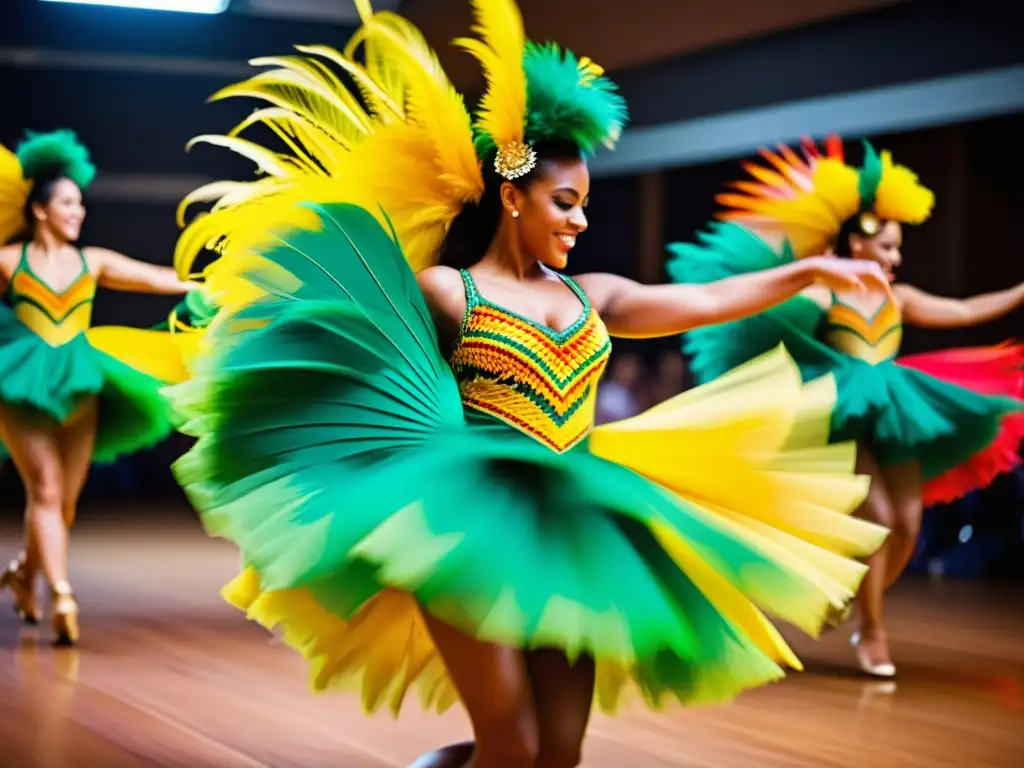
(472, 231)
(852, 226)
(41, 193)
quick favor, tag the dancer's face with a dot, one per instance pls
(883, 248)
(551, 210)
(64, 212)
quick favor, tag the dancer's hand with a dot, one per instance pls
(844, 275)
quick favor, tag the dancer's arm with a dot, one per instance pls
(121, 273)
(634, 310)
(927, 311)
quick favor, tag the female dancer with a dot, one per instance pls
(407, 462)
(69, 394)
(929, 427)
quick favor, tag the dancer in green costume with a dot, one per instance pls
(931, 427)
(404, 451)
(70, 394)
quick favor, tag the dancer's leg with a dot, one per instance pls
(563, 694)
(494, 686)
(903, 482)
(871, 643)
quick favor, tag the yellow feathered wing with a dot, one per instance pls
(408, 153)
(13, 194)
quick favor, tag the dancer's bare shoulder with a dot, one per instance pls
(9, 257)
(445, 293)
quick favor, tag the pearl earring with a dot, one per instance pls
(515, 214)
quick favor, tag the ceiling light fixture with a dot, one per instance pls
(182, 6)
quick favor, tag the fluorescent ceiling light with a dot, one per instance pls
(183, 6)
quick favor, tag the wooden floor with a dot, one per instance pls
(166, 675)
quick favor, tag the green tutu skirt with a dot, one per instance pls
(125, 368)
(901, 413)
(333, 449)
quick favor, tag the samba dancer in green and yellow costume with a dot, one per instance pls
(404, 451)
(930, 427)
(70, 394)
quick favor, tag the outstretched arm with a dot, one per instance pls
(121, 273)
(633, 310)
(927, 311)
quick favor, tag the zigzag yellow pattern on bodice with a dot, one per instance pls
(56, 318)
(539, 381)
(875, 339)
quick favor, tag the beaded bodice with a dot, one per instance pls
(540, 381)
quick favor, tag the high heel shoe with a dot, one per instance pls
(452, 756)
(64, 614)
(884, 670)
(20, 583)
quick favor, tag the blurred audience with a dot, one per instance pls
(619, 393)
(630, 386)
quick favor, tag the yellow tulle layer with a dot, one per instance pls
(748, 453)
(158, 354)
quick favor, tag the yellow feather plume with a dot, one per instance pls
(809, 219)
(900, 197)
(409, 152)
(499, 50)
(807, 201)
(13, 195)
(432, 104)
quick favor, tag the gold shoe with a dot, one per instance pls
(64, 614)
(20, 583)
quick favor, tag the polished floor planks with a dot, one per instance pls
(167, 675)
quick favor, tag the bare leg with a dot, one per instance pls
(904, 484)
(563, 694)
(871, 644)
(35, 453)
(19, 575)
(76, 442)
(494, 686)
(35, 450)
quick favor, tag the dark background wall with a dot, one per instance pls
(134, 86)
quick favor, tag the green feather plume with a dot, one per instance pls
(870, 177)
(58, 153)
(567, 99)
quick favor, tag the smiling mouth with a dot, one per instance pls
(568, 240)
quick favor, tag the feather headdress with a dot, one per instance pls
(806, 198)
(39, 156)
(401, 142)
(536, 92)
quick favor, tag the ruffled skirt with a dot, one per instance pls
(334, 451)
(124, 367)
(957, 413)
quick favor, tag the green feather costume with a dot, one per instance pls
(368, 479)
